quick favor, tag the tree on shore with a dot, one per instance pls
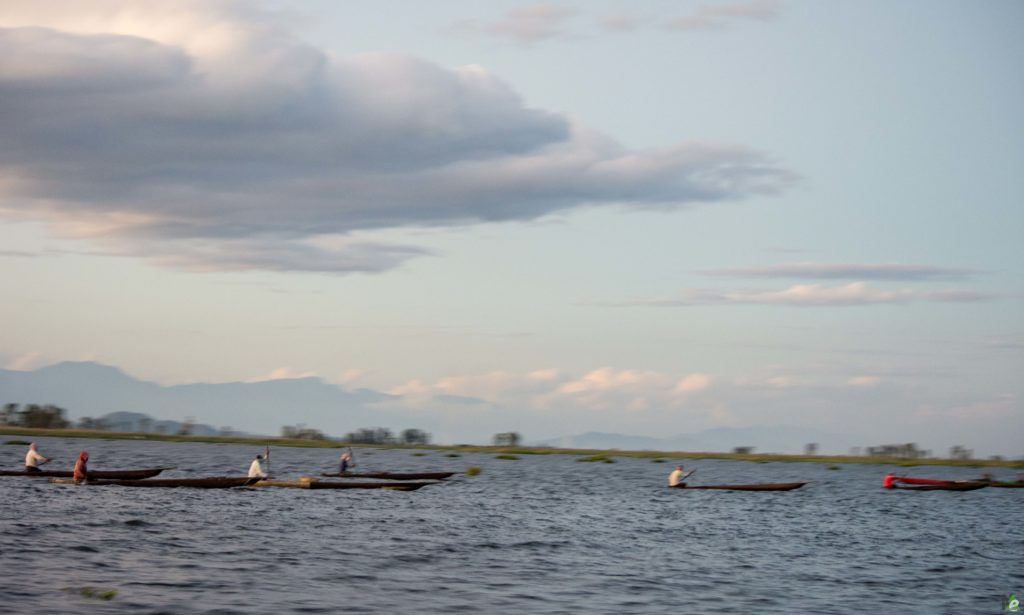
(36, 416)
(415, 436)
(508, 438)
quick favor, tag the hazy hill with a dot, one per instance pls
(776, 439)
(91, 389)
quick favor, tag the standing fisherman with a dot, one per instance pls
(33, 459)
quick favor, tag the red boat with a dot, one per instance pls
(948, 486)
(924, 481)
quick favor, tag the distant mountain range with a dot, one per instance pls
(94, 390)
(774, 439)
(128, 404)
(137, 421)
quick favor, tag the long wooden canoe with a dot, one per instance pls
(754, 487)
(960, 486)
(1007, 485)
(392, 475)
(215, 482)
(113, 474)
(909, 480)
(309, 483)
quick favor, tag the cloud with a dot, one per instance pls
(544, 390)
(619, 22)
(809, 295)
(26, 362)
(716, 16)
(864, 381)
(692, 383)
(284, 373)
(351, 375)
(995, 408)
(821, 271)
(524, 25)
(205, 136)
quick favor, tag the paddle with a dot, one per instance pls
(266, 455)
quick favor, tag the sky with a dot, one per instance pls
(648, 218)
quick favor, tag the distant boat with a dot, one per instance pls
(391, 475)
(1007, 484)
(754, 487)
(909, 480)
(949, 486)
(910, 483)
(113, 474)
(215, 482)
(309, 483)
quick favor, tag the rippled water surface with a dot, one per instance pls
(544, 534)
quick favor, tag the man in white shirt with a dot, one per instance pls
(33, 459)
(676, 477)
(256, 469)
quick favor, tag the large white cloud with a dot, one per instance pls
(204, 135)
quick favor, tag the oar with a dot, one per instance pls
(691, 473)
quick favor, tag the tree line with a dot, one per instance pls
(34, 415)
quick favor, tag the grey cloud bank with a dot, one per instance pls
(215, 141)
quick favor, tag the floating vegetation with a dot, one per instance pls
(18, 442)
(453, 455)
(834, 468)
(508, 457)
(473, 471)
(419, 454)
(596, 458)
(657, 461)
(99, 594)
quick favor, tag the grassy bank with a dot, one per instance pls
(499, 450)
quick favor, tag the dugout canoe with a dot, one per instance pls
(909, 480)
(1007, 485)
(213, 482)
(754, 487)
(310, 483)
(111, 474)
(959, 486)
(391, 475)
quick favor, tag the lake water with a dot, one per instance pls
(544, 534)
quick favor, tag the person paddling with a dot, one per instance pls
(256, 469)
(344, 461)
(81, 473)
(33, 459)
(675, 479)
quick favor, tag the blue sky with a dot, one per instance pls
(660, 216)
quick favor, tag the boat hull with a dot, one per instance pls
(754, 487)
(105, 474)
(965, 486)
(215, 482)
(323, 484)
(1002, 485)
(391, 475)
(923, 481)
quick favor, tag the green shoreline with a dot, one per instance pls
(465, 448)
